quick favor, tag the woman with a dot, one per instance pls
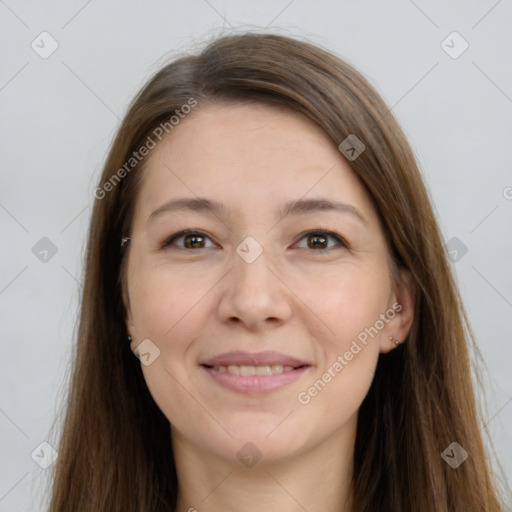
(263, 242)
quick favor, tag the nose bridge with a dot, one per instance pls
(253, 293)
(251, 274)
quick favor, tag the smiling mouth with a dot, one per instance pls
(255, 379)
(247, 370)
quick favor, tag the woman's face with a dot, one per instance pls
(285, 267)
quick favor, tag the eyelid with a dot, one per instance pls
(342, 242)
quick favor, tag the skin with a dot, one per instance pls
(304, 301)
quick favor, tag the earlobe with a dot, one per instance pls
(388, 343)
(392, 340)
(130, 326)
(128, 317)
(406, 296)
(131, 343)
(403, 303)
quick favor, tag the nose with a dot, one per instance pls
(254, 295)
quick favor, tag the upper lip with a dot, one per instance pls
(241, 358)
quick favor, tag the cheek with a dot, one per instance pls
(163, 303)
(335, 395)
(351, 355)
(348, 302)
(168, 309)
(347, 358)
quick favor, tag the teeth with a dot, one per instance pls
(263, 370)
(254, 370)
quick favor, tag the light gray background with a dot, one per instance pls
(59, 116)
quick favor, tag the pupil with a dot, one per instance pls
(192, 240)
(317, 237)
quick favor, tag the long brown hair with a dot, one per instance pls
(115, 451)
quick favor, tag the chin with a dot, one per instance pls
(270, 443)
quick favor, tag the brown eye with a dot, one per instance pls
(188, 239)
(320, 240)
(193, 241)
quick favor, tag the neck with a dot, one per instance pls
(316, 480)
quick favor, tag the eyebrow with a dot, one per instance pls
(297, 207)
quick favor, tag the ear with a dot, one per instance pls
(128, 316)
(402, 302)
(130, 326)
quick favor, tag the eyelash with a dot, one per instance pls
(169, 241)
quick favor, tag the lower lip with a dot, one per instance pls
(255, 384)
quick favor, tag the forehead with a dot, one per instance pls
(254, 134)
(241, 153)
